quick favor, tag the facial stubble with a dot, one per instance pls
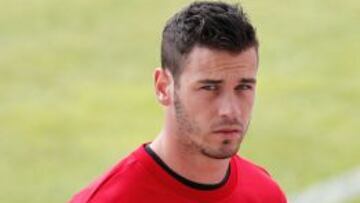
(188, 129)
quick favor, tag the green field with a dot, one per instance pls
(76, 90)
(355, 200)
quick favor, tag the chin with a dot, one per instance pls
(225, 151)
(220, 155)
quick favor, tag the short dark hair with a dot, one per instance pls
(215, 25)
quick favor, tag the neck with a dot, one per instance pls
(189, 164)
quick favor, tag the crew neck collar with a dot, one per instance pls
(172, 183)
(182, 179)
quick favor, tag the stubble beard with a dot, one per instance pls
(188, 130)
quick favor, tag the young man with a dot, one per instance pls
(207, 86)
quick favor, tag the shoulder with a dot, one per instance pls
(256, 179)
(117, 184)
(250, 167)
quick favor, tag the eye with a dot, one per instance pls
(209, 87)
(244, 87)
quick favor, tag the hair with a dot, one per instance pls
(214, 25)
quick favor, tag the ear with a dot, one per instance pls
(163, 82)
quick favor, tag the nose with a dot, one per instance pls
(229, 106)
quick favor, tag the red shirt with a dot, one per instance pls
(139, 178)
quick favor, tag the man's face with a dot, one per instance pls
(213, 100)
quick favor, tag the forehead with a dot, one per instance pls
(207, 62)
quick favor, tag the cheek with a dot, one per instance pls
(247, 104)
(198, 100)
(200, 109)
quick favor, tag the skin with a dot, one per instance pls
(207, 112)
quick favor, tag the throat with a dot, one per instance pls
(187, 181)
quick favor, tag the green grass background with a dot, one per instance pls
(76, 90)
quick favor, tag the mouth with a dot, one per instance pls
(228, 133)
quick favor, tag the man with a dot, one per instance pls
(207, 85)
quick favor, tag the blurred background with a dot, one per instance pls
(76, 90)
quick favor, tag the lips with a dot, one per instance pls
(228, 132)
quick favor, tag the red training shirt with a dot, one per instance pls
(139, 178)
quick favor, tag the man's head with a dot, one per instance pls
(207, 79)
(214, 25)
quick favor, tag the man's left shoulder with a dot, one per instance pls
(257, 179)
(250, 166)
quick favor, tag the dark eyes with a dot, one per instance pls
(237, 88)
(244, 87)
(210, 87)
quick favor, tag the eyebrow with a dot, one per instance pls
(243, 80)
(248, 80)
(210, 81)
